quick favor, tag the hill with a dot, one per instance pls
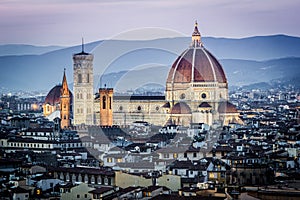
(245, 61)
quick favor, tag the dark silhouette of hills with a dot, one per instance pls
(245, 61)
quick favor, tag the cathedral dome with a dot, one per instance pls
(181, 108)
(53, 97)
(196, 64)
(227, 107)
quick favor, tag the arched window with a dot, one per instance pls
(88, 78)
(79, 78)
(104, 102)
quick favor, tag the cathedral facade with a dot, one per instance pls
(196, 92)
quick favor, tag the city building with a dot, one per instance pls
(58, 103)
(196, 92)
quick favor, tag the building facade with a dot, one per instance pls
(196, 92)
(83, 88)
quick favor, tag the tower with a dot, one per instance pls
(83, 88)
(65, 104)
(106, 111)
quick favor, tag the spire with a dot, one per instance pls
(196, 36)
(65, 89)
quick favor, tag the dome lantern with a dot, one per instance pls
(196, 37)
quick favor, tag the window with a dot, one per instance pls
(104, 102)
(78, 196)
(88, 78)
(109, 160)
(194, 154)
(139, 108)
(185, 155)
(203, 95)
(79, 78)
(110, 103)
(175, 155)
(85, 195)
(182, 96)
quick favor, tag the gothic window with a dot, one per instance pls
(65, 117)
(79, 78)
(104, 102)
(88, 78)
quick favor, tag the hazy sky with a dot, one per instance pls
(64, 22)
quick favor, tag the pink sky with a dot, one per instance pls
(64, 22)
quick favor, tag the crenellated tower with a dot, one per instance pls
(106, 104)
(65, 104)
(83, 88)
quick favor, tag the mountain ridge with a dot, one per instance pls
(46, 69)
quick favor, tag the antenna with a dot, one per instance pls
(82, 45)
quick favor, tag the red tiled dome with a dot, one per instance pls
(227, 107)
(181, 108)
(53, 97)
(196, 64)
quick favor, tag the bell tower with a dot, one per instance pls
(83, 88)
(106, 107)
(65, 104)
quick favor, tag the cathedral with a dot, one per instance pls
(196, 92)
